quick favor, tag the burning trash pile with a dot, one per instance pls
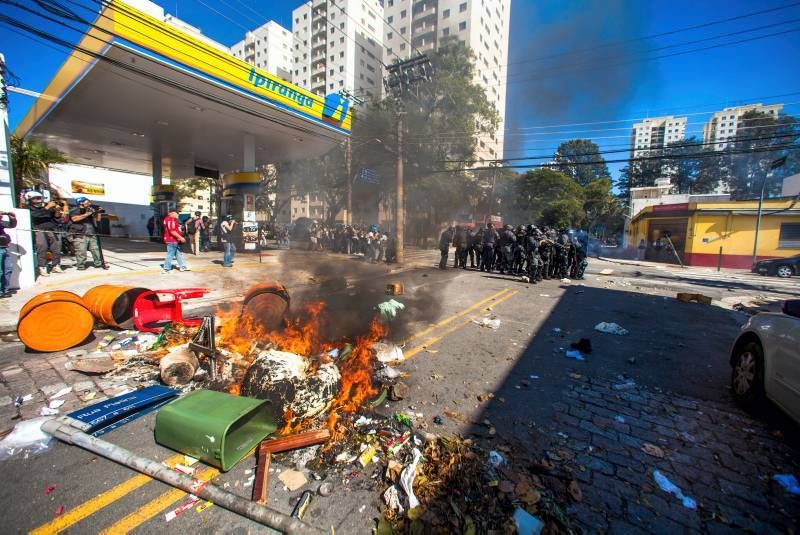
(322, 406)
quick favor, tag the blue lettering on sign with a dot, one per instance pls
(259, 80)
(335, 107)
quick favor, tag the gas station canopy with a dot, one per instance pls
(139, 95)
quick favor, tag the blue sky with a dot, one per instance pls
(569, 61)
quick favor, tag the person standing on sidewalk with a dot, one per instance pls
(173, 237)
(205, 240)
(5, 261)
(193, 228)
(83, 227)
(45, 236)
(227, 233)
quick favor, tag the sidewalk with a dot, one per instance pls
(673, 267)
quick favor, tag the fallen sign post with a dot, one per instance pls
(277, 445)
(256, 512)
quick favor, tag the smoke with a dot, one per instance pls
(563, 66)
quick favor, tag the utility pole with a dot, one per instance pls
(399, 78)
(348, 162)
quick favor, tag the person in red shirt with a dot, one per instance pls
(173, 237)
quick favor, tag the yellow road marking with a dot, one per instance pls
(153, 507)
(433, 339)
(455, 316)
(90, 507)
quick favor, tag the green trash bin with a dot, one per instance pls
(217, 428)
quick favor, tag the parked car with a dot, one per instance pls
(781, 267)
(765, 359)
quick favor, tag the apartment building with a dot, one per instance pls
(656, 133)
(418, 26)
(268, 47)
(338, 46)
(723, 126)
(157, 12)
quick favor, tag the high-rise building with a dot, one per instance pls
(723, 126)
(338, 46)
(268, 47)
(656, 133)
(417, 26)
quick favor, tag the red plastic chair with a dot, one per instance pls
(154, 309)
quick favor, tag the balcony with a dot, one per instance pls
(424, 10)
(318, 55)
(423, 30)
(318, 68)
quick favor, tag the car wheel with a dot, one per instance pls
(784, 271)
(747, 376)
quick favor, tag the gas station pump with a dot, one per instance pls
(163, 204)
(239, 191)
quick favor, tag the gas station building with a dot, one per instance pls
(140, 96)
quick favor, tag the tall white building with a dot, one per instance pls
(656, 133)
(157, 12)
(483, 25)
(338, 46)
(723, 125)
(268, 47)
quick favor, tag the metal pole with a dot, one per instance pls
(259, 513)
(399, 218)
(719, 259)
(758, 219)
(348, 162)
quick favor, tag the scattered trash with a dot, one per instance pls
(610, 328)
(386, 352)
(556, 329)
(300, 508)
(407, 478)
(325, 489)
(366, 456)
(392, 499)
(59, 510)
(606, 271)
(47, 411)
(292, 479)
(486, 396)
(584, 345)
(788, 482)
(62, 392)
(56, 403)
(527, 524)
(566, 280)
(27, 438)
(109, 414)
(619, 418)
(49, 490)
(575, 491)
(653, 450)
(668, 486)
(574, 354)
(387, 372)
(544, 295)
(626, 383)
(525, 279)
(496, 460)
(398, 391)
(394, 288)
(693, 297)
(438, 420)
(178, 366)
(491, 323)
(92, 364)
(390, 308)
(632, 360)
(534, 376)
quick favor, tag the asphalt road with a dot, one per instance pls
(671, 347)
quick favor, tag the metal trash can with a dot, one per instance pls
(217, 428)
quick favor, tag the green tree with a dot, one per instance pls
(600, 206)
(542, 195)
(187, 188)
(30, 160)
(580, 159)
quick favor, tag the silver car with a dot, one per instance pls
(766, 359)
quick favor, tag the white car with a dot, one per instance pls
(766, 359)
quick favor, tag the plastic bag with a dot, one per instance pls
(407, 479)
(26, 439)
(610, 328)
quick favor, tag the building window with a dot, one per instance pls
(388, 51)
(389, 35)
(403, 30)
(402, 46)
(390, 19)
(445, 32)
(462, 26)
(403, 14)
(446, 14)
(341, 68)
(462, 8)
(789, 237)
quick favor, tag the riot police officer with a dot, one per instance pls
(490, 238)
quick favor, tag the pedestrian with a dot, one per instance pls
(83, 227)
(205, 240)
(444, 246)
(46, 239)
(151, 227)
(5, 260)
(193, 228)
(173, 238)
(227, 233)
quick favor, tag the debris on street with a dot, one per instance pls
(667, 486)
(788, 482)
(693, 298)
(610, 328)
(488, 322)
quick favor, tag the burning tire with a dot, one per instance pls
(292, 382)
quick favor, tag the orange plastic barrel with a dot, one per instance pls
(54, 321)
(265, 304)
(113, 305)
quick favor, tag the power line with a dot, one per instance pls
(662, 34)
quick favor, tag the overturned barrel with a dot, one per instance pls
(265, 305)
(54, 321)
(113, 305)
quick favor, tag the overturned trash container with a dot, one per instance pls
(54, 321)
(113, 305)
(217, 428)
(265, 304)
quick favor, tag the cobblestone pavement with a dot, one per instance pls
(713, 452)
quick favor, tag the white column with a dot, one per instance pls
(6, 176)
(249, 152)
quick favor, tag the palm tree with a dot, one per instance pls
(30, 160)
